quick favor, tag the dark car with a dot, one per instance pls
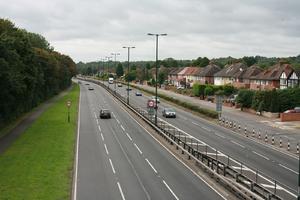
(138, 93)
(169, 112)
(105, 113)
(90, 88)
(128, 89)
(87, 84)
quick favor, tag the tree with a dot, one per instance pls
(119, 70)
(249, 61)
(161, 77)
(130, 76)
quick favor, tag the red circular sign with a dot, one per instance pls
(151, 103)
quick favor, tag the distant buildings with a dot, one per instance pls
(279, 76)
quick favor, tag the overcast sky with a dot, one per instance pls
(89, 30)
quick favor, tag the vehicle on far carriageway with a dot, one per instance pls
(169, 112)
(119, 84)
(138, 93)
(105, 113)
(91, 88)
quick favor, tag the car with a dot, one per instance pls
(169, 112)
(295, 110)
(87, 84)
(120, 85)
(128, 89)
(105, 113)
(153, 98)
(180, 87)
(138, 93)
(91, 88)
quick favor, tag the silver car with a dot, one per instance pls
(169, 112)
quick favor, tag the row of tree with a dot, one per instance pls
(30, 71)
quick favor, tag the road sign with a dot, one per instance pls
(150, 104)
(219, 103)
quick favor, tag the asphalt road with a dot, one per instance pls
(118, 159)
(272, 163)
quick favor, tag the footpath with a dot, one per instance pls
(13, 134)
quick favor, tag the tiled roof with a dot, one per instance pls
(175, 71)
(209, 70)
(250, 72)
(192, 70)
(231, 70)
(274, 72)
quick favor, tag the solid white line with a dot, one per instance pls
(112, 166)
(261, 155)
(123, 128)
(151, 165)
(121, 192)
(288, 168)
(102, 137)
(118, 121)
(106, 149)
(138, 148)
(76, 157)
(129, 136)
(237, 143)
(170, 190)
(99, 128)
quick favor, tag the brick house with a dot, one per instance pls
(274, 77)
(243, 80)
(206, 75)
(190, 75)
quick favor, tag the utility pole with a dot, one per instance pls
(128, 49)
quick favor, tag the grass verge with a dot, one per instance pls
(207, 112)
(39, 164)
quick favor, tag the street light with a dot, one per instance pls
(108, 59)
(128, 49)
(115, 54)
(156, 35)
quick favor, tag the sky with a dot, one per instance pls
(90, 30)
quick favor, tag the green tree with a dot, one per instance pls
(130, 76)
(119, 70)
(161, 77)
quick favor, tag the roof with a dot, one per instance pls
(231, 70)
(175, 71)
(249, 72)
(192, 70)
(274, 72)
(209, 70)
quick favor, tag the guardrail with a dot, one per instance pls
(245, 182)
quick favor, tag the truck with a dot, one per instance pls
(110, 80)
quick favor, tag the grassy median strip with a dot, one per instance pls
(39, 164)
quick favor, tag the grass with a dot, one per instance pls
(38, 165)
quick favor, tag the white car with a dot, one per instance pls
(180, 87)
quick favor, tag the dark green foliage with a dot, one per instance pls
(209, 90)
(30, 71)
(229, 90)
(244, 98)
(130, 76)
(119, 70)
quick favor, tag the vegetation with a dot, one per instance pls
(31, 71)
(270, 101)
(119, 70)
(38, 165)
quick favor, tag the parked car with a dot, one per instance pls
(153, 98)
(295, 110)
(138, 93)
(105, 113)
(169, 112)
(91, 88)
(120, 85)
(180, 87)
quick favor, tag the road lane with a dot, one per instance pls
(124, 154)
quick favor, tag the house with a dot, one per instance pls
(190, 75)
(244, 76)
(206, 75)
(289, 78)
(274, 77)
(229, 74)
(173, 76)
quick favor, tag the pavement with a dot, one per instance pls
(118, 159)
(20, 128)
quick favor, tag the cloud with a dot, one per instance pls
(91, 29)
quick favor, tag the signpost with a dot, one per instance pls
(150, 106)
(69, 105)
(219, 103)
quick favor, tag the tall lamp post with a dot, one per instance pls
(108, 59)
(128, 50)
(115, 54)
(156, 35)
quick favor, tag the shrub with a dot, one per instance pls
(209, 91)
(244, 98)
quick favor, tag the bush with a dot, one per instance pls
(209, 90)
(244, 98)
(229, 90)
